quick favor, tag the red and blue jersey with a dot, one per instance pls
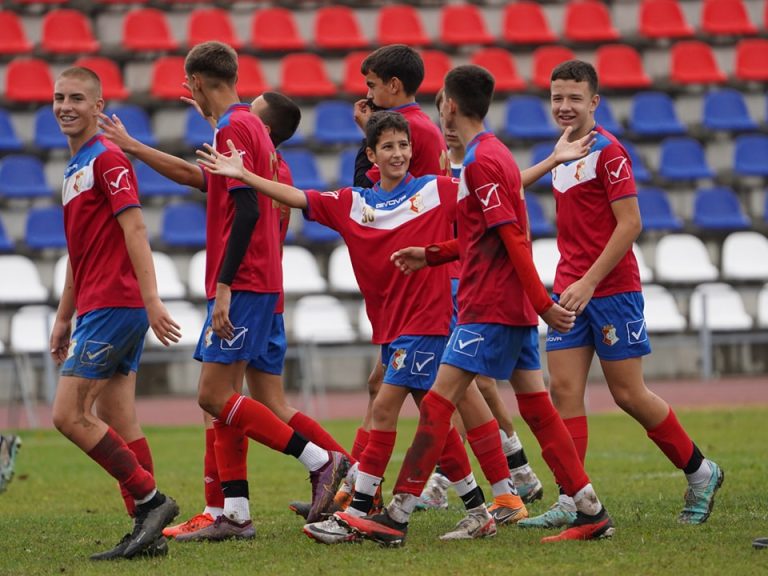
(584, 190)
(99, 183)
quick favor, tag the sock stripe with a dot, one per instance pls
(234, 409)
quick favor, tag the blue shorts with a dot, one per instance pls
(251, 314)
(493, 350)
(273, 359)
(412, 361)
(106, 341)
(455, 300)
(613, 325)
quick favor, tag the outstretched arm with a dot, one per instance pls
(563, 152)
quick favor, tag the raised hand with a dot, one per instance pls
(115, 131)
(565, 150)
(230, 165)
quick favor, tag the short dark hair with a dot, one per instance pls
(282, 115)
(471, 87)
(213, 59)
(439, 97)
(577, 70)
(382, 121)
(396, 61)
(83, 73)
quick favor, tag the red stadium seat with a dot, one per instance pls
(589, 21)
(28, 80)
(663, 19)
(436, 66)
(400, 24)
(337, 28)
(211, 24)
(526, 23)
(168, 78)
(250, 78)
(68, 32)
(620, 66)
(502, 65)
(726, 18)
(304, 75)
(112, 87)
(544, 61)
(462, 24)
(751, 61)
(13, 39)
(275, 29)
(354, 81)
(693, 62)
(147, 30)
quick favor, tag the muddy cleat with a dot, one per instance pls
(435, 493)
(378, 501)
(699, 501)
(330, 531)
(478, 523)
(760, 543)
(556, 517)
(325, 482)
(149, 526)
(508, 509)
(380, 528)
(586, 528)
(300, 508)
(192, 525)
(9, 448)
(158, 548)
(528, 486)
(222, 529)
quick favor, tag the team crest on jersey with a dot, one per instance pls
(208, 338)
(578, 174)
(488, 194)
(417, 203)
(609, 335)
(117, 180)
(398, 358)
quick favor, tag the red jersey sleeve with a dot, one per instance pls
(448, 189)
(614, 169)
(117, 180)
(492, 194)
(330, 208)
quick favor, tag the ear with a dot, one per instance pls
(395, 85)
(371, 154)
(595, 101)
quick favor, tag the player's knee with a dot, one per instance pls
(210, 403)
(384, 417)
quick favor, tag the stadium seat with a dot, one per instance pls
(653, 114)
(341, 276)
(45, 228)
(683, 258)
(335, 123)
(28, 80)
(545, 58)
(346, 175)
(539, 152)
(196, 276)
(23, 176)
(724, 307)
(726, 18)
(6, 242)
(604, 117)
(9, 141)
(337, 28)
(751, 63)
(67, 31)
(136, 122)
(147, 30)
(275, 29)
(31, 329)
(537, 220)
(364, 327)
(250, 78)
(527, 117)
(436, 65)
(620, 66)
(545, 258)
(60, 275)
(526, 23)
(168, 78)
(47, 134)
(750, 154)
(745, 257)
(663, 19)
(304, 75)
(726, 110)
(693, 62)
(400, 24)
(298, 139)
(301, 273)
(762, 307)
(354, 82)
(321, 319)
(169, 286)
(501, 64)
(188, 317)
(656, 211)
(303, 165)
(661, 312)
(646, 274)
(718, 208)
(682, 158)
(588, 21)
(13, 38)
(152, 184)
(197, 130)
(112, 87)
(315, 233)
(183, 225)
(462, 24)
(26, 288)
(639, 169)
(211, 24)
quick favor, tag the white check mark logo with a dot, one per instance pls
(618, 170)
(236, 337)
(420, 365)
(636, 335)
(97, 353)
(485, 201)
(464, 343)
(116, 183)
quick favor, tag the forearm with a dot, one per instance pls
(66, 307)
(442, 252)
(519, 254)
(173, 167)
(243, 223)
(137, 245)
(532, 174)
(283, 193)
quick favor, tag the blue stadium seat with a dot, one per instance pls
(136, 121)
(656, 211)
(152, 183)
(315, 233)
(298, 139)
(653, 114)
(183, 225)
(539, 152)
(306, 174)
(48, 135)
(537, 221)
(528, 118)
(23, 176)
(45, 228)
(346, 175)
(682, 158)
(726, 110)
(9, 142)
(750, 157)
(638, 165)
(719, 209)
(6, 243)
(605, 117)
(335, 123)
(196, 130)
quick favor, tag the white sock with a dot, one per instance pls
(367, 483)
(214, 511)
(237, 509)
(510, 444)
(700, 478)
(146, 498)
(566, 503)
(465, 485)
(401, 507)
(586, 501)
(313, 457)
(503, 487)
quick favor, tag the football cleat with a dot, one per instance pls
(478, 523)
(435, 493)
(699, 501)
(330, 531)
(192, 525)
(760, 543)
(528, 485)
(508, 509)
(158, 548)
(556, 517)
(586, 528)
(222, 529)
(9, 448)
(380, 528)
(325, 482)
(300, 508)
(149, 526)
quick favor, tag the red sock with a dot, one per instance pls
(231, 449)
(113, 454)
(486, 445)
(256, 421)
(214, 496)
(361, 439)
(454, 462)
(312, 431)
(143, 454)
(672, 439)
(557, 448)
(579, 431)
(431, 433)
(377, 453)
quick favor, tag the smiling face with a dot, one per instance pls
(392, 154)
(77, 104)
(573, 104)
